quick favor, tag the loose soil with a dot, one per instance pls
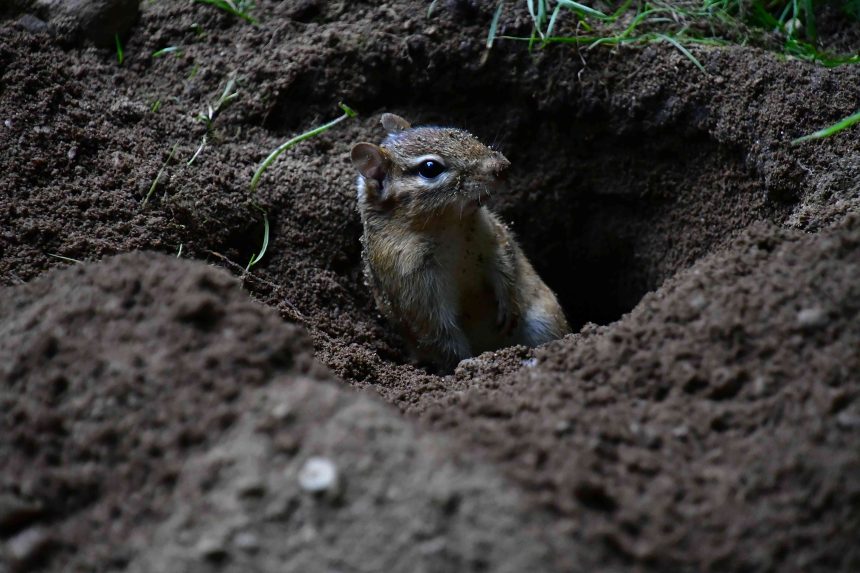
(158, 414)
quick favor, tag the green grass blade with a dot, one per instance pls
(621, 10)
(840, 125)
(347, 110)
(62, 258)
(494, 25)
(165, 51)
(230, 8)
(347, 113)
(120, 55)
(535, 18)
(641, 17)
(809, 18)
(583, 10)
(552, 20)
(259, 256)
(199, 150)
(683, 50)
(530, 4)
(158, 177)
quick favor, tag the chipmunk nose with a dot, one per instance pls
(496, 165)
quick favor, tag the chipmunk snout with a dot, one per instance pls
(496, 165)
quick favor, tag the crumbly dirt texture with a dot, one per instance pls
(159, 414)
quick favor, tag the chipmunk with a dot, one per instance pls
(442, 268)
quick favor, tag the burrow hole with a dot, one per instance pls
(606, 216)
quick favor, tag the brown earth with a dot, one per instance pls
(706, 416)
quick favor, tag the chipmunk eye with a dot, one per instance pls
(430, 169)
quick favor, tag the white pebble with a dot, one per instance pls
(282, 411)
(318, 475)
(812, 317)
(25, 545)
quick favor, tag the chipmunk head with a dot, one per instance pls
(426, 170)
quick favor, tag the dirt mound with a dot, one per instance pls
(725, 403)
(397, 501)
(147, 390)
(708, 423)
(112, 374)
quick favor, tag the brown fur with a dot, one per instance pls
(442, 267)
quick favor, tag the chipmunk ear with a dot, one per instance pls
(393, 123)
(372, 162)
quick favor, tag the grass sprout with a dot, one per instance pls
(537, 10)
(684, 51)
(494, 25)
(238, 8)
(583, 10)
(259, 256)
(120, 55)
(840, 125)
(347, 113)
(62, 258)
(165, 51)
(227, 96)
(158, 176)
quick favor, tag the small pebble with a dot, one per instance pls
(26, 545)
(318, 475)
(247, 541)
(281, 411)
(848, 420)
(697, 301)
(813, 317)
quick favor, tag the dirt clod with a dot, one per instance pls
(94, 21)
